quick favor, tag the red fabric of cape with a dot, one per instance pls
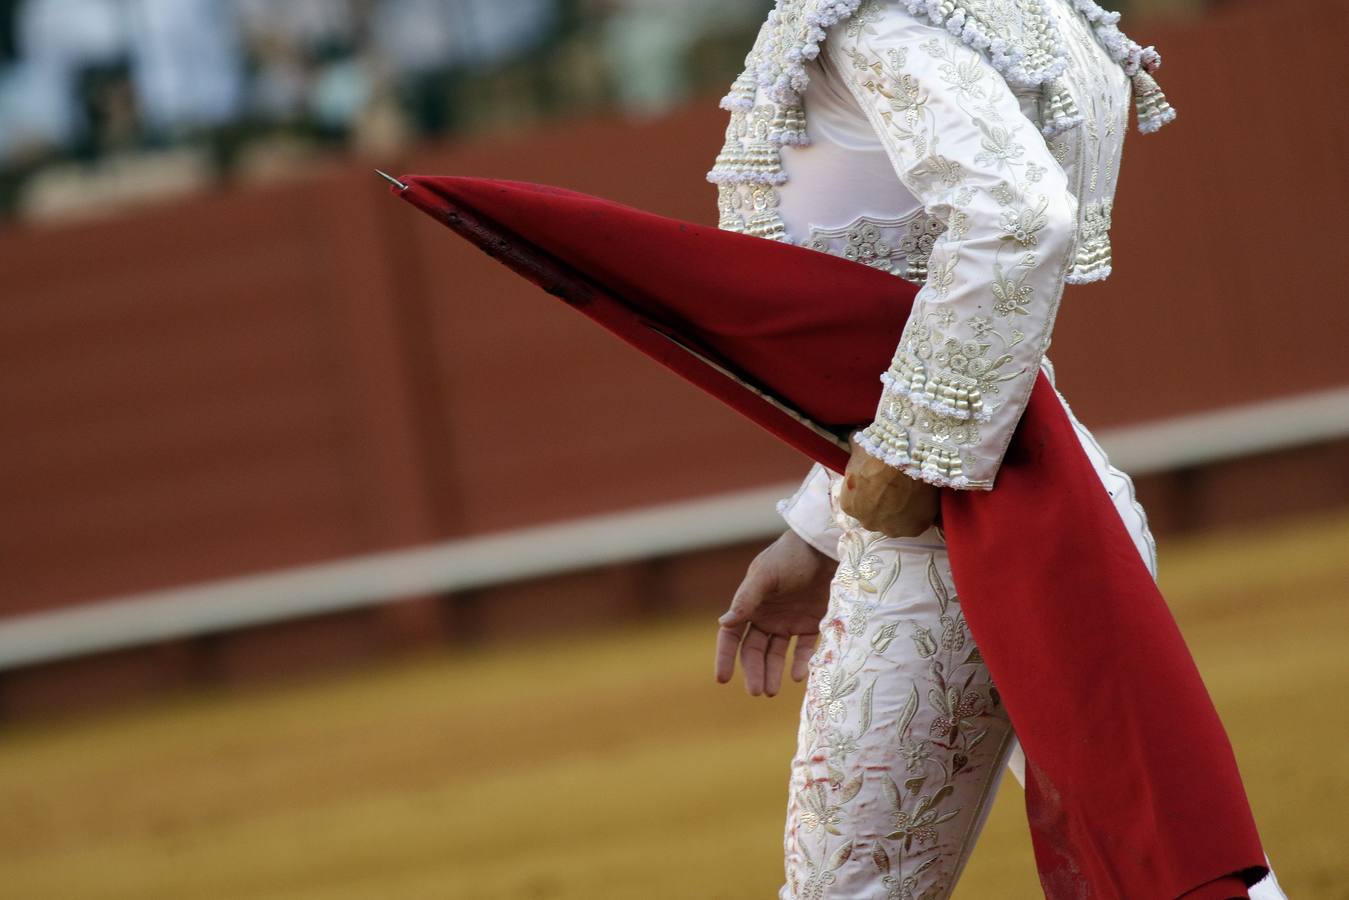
(1132, 788)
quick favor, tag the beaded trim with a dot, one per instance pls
(794, 31)
(749, 166)
(1124, 51)
(969, 408)
(901, 247)
(1093, 259)
(1036, 58)
(935, 465)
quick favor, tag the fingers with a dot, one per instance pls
(775, 658)
(763, 657)
(728, 642)
(735, 621)
(805, 646)
(752, 660)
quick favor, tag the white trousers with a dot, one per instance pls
(903, 737)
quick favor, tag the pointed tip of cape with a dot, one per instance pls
(389, 178)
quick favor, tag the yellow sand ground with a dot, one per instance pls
(611, 767)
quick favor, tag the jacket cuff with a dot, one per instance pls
(810, 512)
(921, 442)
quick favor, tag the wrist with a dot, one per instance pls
(796, 544)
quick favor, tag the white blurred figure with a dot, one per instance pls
(501, 30)
(37, 110)
(304, 57)
(647, 42)
(58, 40)
(309, 22)
(72, 32)
(418, 43)
(426, 35)
(430, 45)
(186, 64)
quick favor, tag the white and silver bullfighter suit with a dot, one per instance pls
(972, 147)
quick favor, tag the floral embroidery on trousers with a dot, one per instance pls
(902, 737)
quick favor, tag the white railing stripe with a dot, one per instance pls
(586, 543)
(1203, 438)
(455, 565)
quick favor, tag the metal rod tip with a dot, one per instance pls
(389, 178)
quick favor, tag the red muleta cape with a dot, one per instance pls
(1132, 790)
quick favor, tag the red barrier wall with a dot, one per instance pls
(267, 377)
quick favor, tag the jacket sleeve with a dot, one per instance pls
(959, 140)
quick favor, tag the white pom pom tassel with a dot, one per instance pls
(1058, 110)
(1153, 110)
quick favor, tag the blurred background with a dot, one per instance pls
(337, 562)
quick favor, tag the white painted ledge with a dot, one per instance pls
(586, 543)
(456, 565)
(1203, 438)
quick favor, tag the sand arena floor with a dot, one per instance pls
(611, 766)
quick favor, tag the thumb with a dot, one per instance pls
(747, 597)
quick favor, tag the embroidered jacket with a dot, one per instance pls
(971, 146)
